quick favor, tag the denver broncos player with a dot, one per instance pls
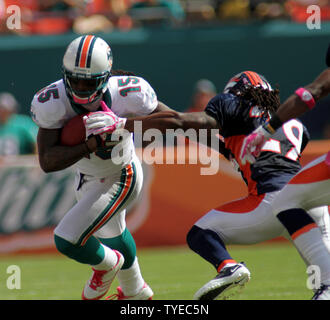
(94, 231)
(308, 189)
(247, 101)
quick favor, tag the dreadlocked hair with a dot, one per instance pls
(120, 72)
(265, 99)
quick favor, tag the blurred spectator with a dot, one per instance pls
(248, 9)
(233, 9)
(157, 12)
(41, 16)
(17, 131)
(268, 9)
(25, 8)
(92, 24)
(103, 16)
(199, 11)
(204, 90)
(54, 16)
(297, 9)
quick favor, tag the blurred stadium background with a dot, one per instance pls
(172, 44)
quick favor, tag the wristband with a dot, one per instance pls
(306, 97)
(273, 124)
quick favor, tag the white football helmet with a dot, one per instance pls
(87, 58)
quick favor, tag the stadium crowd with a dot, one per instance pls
(88, 16)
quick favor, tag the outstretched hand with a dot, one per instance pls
(252, 145)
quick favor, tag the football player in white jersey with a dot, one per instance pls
(94, 231)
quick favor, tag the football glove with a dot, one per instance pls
(252, 145)
(102, 122)
(106, 141)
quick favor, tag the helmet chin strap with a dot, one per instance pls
(87, 100)
(92, 106)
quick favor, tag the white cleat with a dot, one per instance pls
(144, 294)
(323, 293)
(98, 285)
(227, 279)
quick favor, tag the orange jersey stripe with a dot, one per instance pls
(303, 230)
(127, 187)
(84, 51)
(234, 144)
(224, 262)
(317, 173)
(244, 205)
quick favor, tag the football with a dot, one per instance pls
(73, 132)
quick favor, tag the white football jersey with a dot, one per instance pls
(127, 96)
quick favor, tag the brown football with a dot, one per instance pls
(73, 132)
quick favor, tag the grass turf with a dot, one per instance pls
(277, 273)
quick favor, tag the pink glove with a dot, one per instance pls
(102, 122)
(252, 145)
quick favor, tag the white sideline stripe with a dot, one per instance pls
(31, 241)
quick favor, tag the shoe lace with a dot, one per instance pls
(319, 291)
(96, 280)
(116, 296)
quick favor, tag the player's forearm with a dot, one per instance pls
(294, 107)
(61, 157)
(54, 157)
(173, 120)
(159, 120)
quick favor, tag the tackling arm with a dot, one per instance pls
(173, 120)
(294, 107)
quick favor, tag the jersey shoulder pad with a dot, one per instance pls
(132, 96)
(50, 106)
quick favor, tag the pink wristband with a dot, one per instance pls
(306, 97)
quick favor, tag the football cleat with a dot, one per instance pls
(144, 294)
(98, 285)
(227, 279)
(323, 293)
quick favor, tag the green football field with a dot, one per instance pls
(277, 273)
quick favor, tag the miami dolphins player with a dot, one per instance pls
(93, 231)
